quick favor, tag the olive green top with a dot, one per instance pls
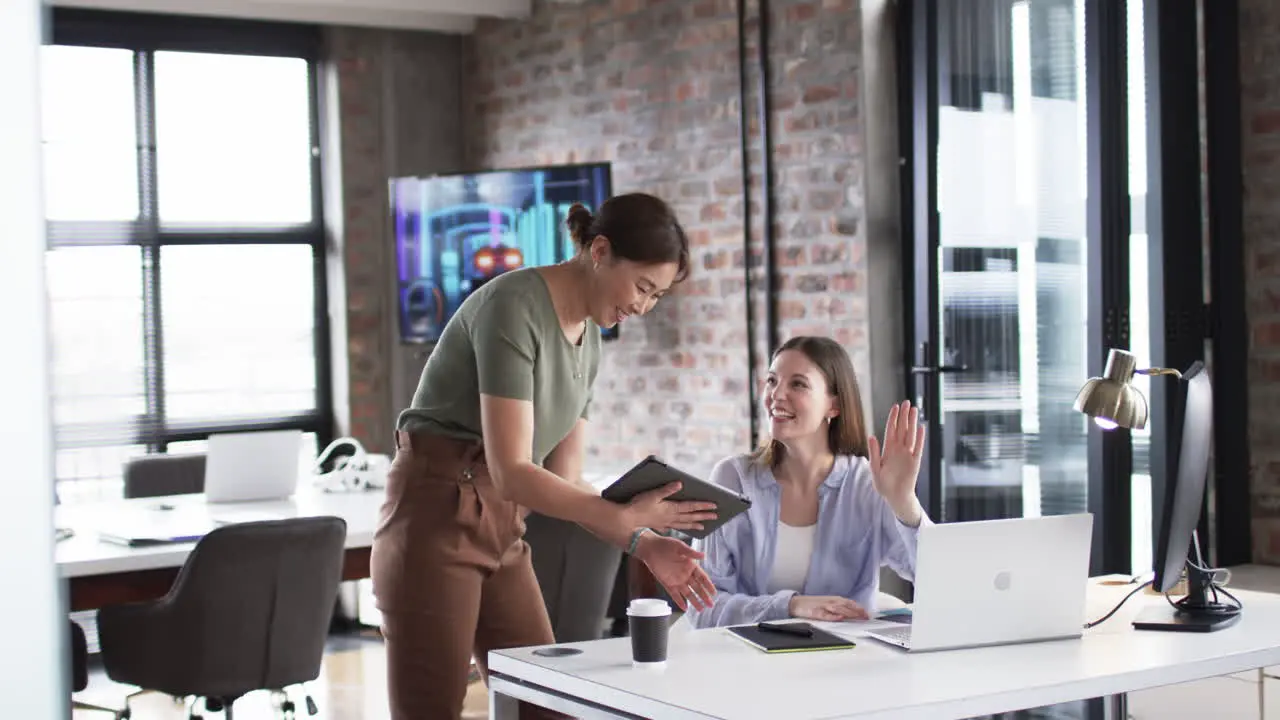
(506, 341)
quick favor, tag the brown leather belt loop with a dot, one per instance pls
(470, 452)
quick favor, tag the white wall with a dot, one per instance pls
(32, 664)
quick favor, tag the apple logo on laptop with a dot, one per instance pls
(1003, 579)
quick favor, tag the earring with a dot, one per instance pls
(597, 266)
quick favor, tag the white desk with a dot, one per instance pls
(99, 573)
(710, 674)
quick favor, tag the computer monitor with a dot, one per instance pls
(1177, 545)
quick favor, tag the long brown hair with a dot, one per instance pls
(847, 432)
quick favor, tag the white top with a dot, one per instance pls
(791, 558)
(711, 674)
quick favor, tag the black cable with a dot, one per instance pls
(1213, 609)
(1236, 600)
(766, 178)
(743, 125)
(1104, 618)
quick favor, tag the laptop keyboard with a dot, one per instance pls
(899, 633)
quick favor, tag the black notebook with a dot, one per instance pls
(777, 642)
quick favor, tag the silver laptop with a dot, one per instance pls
(996, 582)
(251, 466)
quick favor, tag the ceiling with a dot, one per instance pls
(452, 16)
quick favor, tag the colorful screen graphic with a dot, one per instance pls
(455, 233)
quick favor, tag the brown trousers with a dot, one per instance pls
(451, 574)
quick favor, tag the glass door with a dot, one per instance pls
(1000, 290)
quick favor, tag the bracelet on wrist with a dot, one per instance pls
(635, 540)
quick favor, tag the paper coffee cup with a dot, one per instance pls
(649, 619)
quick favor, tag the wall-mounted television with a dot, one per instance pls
(454, 233)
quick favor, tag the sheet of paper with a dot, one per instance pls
(854, 629)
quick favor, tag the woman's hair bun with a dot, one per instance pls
(579, 221)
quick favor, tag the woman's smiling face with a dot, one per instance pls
(797, 397)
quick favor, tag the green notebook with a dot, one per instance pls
(777, 642)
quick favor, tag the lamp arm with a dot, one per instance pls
(1159, 371)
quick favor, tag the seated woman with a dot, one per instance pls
(830, 506)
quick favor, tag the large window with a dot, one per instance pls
(186, 260)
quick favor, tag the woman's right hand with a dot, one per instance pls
(653, 510)
(675, 565)
(826, 607)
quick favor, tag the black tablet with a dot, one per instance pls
(773, 641)
(651, 474)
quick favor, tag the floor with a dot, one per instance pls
(351, 685)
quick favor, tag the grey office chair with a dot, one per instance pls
(158, 475)
(80, 672)
(249, 610)
(576, 572)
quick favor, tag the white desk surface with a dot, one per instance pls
(85, 554)
(711, 674)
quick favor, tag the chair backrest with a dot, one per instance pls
(257, 599)
(576, 572)
(79, 657)
(157, 475)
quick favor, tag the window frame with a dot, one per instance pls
(145, 34)
(1182, 324)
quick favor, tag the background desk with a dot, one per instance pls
(99, 573)
(711, 674)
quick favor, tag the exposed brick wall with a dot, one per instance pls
(1260, 111)
(653, 88)
(397, 114)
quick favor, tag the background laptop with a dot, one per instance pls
(250, 466)
(995, 582)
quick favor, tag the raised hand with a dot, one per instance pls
(675, 565)
(894, 468)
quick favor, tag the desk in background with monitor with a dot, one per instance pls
(100, 573)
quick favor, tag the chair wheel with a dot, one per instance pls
(311, 706)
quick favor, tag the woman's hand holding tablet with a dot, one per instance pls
(649, 487)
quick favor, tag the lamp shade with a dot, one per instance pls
(1110, 400)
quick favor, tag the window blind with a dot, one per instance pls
(185, 266)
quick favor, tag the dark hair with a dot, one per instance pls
(847, 433)
(639, 227)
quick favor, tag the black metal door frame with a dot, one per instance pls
(921, 55)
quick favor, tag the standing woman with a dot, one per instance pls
(497, 427)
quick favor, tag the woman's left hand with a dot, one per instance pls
(894, 468)
(675, 565)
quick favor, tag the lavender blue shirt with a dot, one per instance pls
(857, 533)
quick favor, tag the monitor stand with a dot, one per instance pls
(1194, 613)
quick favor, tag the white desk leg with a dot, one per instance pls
(1262, 694)
(1115, 707)
(502, 707)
